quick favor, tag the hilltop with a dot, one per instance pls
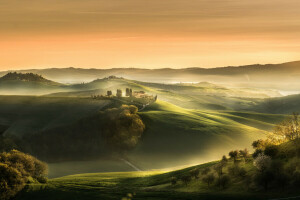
(27, 77)
(27, 84)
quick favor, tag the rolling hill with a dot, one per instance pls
(189, 120)
(30, 114)
(242, 76)
(27, 84)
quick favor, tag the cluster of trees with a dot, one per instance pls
(17, 169)
(123, 127)
(275, 163)
(24, 77)
(220, 174)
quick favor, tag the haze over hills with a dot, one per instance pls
(241, 76)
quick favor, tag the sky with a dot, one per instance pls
(147, 33)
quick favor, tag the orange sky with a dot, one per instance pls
(147, 33)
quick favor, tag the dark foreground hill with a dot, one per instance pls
(239, 179)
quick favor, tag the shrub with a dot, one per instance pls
(256, 153)
(11, 181)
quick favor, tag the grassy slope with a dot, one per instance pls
(198, 96)
(285, 105)
(149, 185)
(156, 185)
(27, 114)
(176, 136)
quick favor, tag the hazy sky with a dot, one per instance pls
(147, 33)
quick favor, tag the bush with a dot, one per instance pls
(256, 153)
(17, 168)
(11, 181)
(271, 150)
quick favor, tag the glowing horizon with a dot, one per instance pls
(147, 34)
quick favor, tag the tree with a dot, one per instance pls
(289, 130)
(195, 173)
(245, 154)
(224, 159)
(256, 153)
(219, 168)
(11, 181)
(186, 179)
(208, 179)
(16, 168)
(259, 144)
(123, 128)
(271, 150)
(262, 162)
(233, 155)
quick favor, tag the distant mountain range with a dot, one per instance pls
(283, 76)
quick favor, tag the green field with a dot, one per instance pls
(176, 136)
(152, 185)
